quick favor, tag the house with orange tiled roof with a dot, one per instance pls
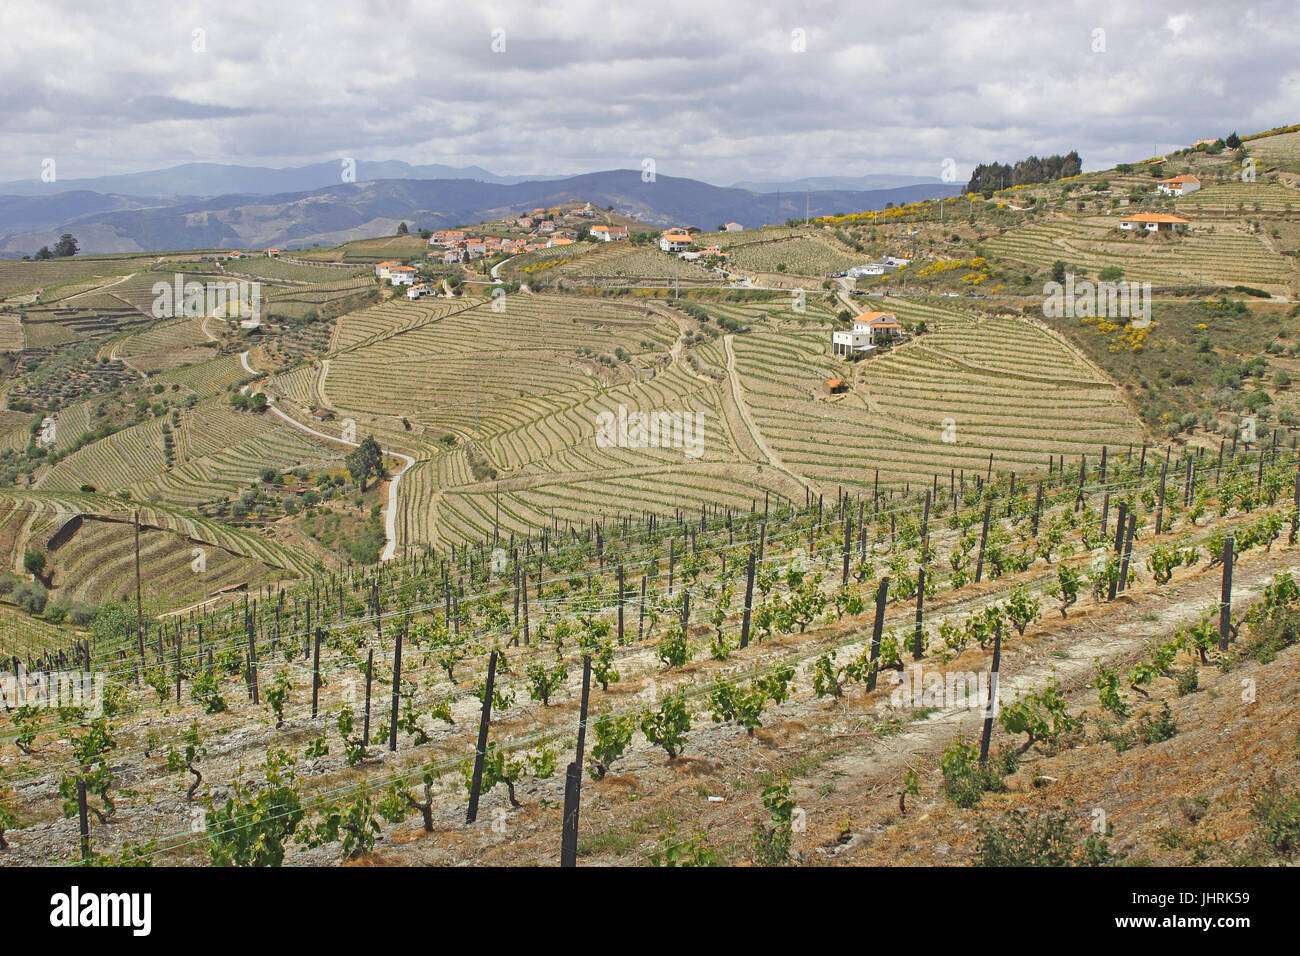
(401, 275)
(870, 331)
(675, 242)
(608, 233)
(1183, 185)
(1154, 222)
(445, 237)
(382, 269)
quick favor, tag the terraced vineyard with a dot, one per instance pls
(622, 259)
(1237, 198)
(1213, 254)
(807, 255)
(329, 277)
(971, 387)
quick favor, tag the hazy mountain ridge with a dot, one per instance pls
(354, 210)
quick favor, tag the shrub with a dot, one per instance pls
(30, 596)
(1017, 839)
(964, 780)
(1277, 818)
(1154, 728)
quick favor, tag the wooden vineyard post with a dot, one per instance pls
(1160, 502)
(919, 633)
(1105, 513)
(1120, 525)
(848, 542)
(925, 525)
(882, 595)
(1295, 514)
(620, 604)
(1038, 507)
(252, 659)
(990, 711)
(315, 675)
(1128, 550)
(397, 687)
(640, 619)
(573, 778)
(672, 562)
(1225, 595)
(370, 673)
(476, 782)
(749, 597)
(569, 821)
(523, 584)
(179, 632)
(83, 822)
(979, 563)
(139, 607)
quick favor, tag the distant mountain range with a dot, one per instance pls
(851, 183)
(214, 179)
(130, 219)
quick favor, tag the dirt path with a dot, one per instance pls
(390, 512)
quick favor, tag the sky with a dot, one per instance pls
(723, 90)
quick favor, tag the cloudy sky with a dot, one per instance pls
(720, 90)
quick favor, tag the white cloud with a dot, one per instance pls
(711, 90)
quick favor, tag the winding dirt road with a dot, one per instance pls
(390, 512)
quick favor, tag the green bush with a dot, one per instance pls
(1018, 839)
(30, 596)
(1277, 818)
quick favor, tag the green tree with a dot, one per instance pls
(366, 460)
(34, 564)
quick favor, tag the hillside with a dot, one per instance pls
(582, 448)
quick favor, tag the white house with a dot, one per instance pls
(1179, 185)
(734, 227)
(870, 330)
(608, 233)
(417, 290)
(870, 269)
(401, 275)
(1154, 222)
(674, 242)
(382, 269)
